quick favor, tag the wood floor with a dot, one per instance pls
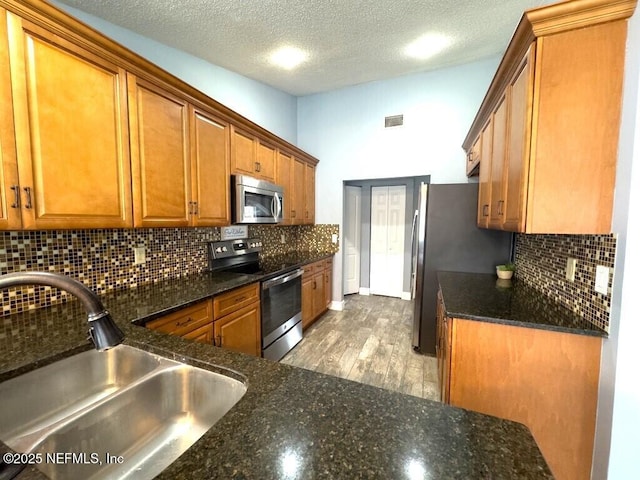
(368, 342)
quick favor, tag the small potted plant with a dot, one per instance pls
(505, 271)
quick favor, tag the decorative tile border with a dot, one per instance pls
(541, 262)
(103, 259)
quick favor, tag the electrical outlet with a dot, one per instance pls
(602, 280)
(282, 238)
(140, 255)
(571, 269)
(334, 238)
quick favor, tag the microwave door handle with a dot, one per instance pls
(279, 205)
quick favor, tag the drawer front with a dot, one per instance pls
(235, 299)
(185, 320)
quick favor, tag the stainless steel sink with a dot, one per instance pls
(141, 409)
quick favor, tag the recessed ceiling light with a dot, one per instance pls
(288, 57)
(427, 46)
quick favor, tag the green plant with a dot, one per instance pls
(509, 267)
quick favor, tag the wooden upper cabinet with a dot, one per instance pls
(484, 186)
(9, 185)
(159, 155)
(70, 109)
(496, 204)
(284, 175)
(309, 194)
(210, 140)
(251, 156)
(562, 78)
(298, 194)
(473, 158)
(518, 148)
(266, 157)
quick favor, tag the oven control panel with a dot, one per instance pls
(235, 248)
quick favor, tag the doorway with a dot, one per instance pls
(387, 240)
(352, 228)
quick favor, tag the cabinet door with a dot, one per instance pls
(319, 300)
(240, 330)
(159, 156)
(266, 158)
(72, 138)
(307, 300)
(310, 194)
(328, 273)
(210, 170)
(498, 151)
(484, 186)
(298, 192)
(283, 178)
(243, 153)
(518, 148)
(9, 187)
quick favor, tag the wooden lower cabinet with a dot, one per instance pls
(237, 320)
(240, 330)
(544, 379)
(316, 290)
(230, 320)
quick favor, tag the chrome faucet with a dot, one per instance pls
(103, 331)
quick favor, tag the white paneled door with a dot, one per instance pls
(352, 222)
(387, 240)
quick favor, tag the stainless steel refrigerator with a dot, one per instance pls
(445, 237)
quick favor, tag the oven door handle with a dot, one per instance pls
(282, 279)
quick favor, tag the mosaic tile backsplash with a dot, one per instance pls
(103, 259)
(541, 262)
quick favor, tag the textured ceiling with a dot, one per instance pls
(349, 41)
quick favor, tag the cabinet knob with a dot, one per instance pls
(485, 210)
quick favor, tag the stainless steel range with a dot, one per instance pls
(281, 292)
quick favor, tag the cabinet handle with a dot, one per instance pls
(485, 210)
(219, 342)
(190, 208)
(195, 208)
(240, 299)
(27, 191)
(256, 167)
(501, 207)
(293, 214)
(186, 322)
(259, 166)
(16, 192)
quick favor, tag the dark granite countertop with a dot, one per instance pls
(478, 296)
(291, 423)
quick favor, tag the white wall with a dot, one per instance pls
(268, 107)
(618, 423)
(345, 130)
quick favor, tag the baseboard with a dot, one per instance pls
(363, 291)
(405, 295)
(337, 305)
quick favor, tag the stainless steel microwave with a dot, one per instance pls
(255, 201)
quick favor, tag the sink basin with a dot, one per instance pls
(141, 409)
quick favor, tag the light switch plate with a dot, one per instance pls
(602, 279)
(334, 238)
(571, 269)
(140, 255)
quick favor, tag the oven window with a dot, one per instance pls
(280, 303)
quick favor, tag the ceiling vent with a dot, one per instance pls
(393, 121)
